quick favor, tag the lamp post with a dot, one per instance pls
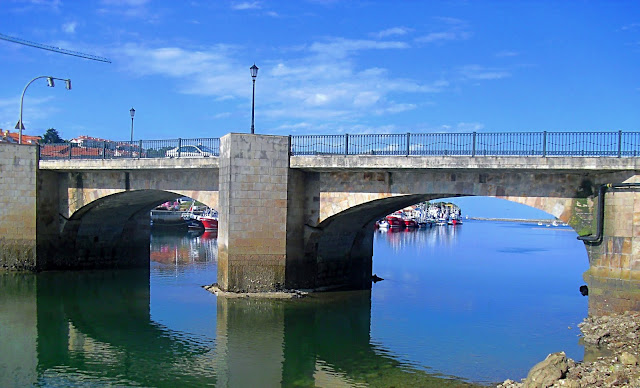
(132, 112)
(51, 84)
(254, 74)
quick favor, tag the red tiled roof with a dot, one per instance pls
(14, 137)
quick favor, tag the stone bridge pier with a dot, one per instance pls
(614, 272)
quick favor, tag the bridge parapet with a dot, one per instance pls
(128, 164)
(559, 163)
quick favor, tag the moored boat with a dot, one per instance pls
(410, 223)
(395, 222)
(382, 224)
(163, 218)
(209, 219)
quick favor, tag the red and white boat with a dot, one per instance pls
(209, 219)
(410, 223)
(395, 222)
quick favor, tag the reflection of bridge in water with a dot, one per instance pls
(96, 327)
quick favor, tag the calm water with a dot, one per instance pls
(476, 303)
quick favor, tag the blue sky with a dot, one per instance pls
(326, 66)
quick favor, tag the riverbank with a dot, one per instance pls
(611, 357)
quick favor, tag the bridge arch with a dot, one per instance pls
(342, 212)
(554, 193)
(111, 231)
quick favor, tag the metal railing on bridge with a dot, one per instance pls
(612, 144)
(616, 144)
(139, 149)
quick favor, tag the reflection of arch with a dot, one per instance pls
(111, 308)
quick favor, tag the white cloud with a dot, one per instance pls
(139, 9)
(477, 72)
(320, 82)
(246, 5)
(396, 108)
(34, 109)
(443, 36)
(459, 127)
(69, 28)
(222, 115)
(507, 53)
(340, 47)
(451, 30)
(395, 31)
(125, 3)
(630, 27)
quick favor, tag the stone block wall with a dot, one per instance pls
(614, 273)
(18, 177)
(254, 171)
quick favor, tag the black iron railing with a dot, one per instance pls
(616, 144)
(613, 144)
(139, 149)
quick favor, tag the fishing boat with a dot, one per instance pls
(167, 219)
(209, 219)
(441, 221)
(382, 224)
(395, 222)
(410, 223)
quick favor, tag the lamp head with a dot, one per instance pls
(254, 71)
(132, 111)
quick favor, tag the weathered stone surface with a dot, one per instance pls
(252, 242)
(545, 373)
(628, 359)
(18, 196)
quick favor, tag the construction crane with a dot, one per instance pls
(54, 49)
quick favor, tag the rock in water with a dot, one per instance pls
(545, 373)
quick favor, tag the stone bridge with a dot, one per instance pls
(301, 221)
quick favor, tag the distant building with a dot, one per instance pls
(90, 142)
(14, 137)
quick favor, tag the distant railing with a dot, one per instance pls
(613, 144)
(139, 149)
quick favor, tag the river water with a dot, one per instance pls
(462, 305)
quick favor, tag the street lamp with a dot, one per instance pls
(254, 74)
(51, 84)
(132, 112)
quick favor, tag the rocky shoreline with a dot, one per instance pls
(612, 354)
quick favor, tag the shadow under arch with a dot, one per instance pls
(110, 232)
(339, 251)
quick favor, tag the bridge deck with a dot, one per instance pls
(333, 162)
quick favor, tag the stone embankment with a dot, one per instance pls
(612, 353)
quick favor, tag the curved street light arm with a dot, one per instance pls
(20, 125)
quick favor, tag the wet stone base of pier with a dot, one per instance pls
(17, 255)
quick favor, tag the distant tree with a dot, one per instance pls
(51, 136)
